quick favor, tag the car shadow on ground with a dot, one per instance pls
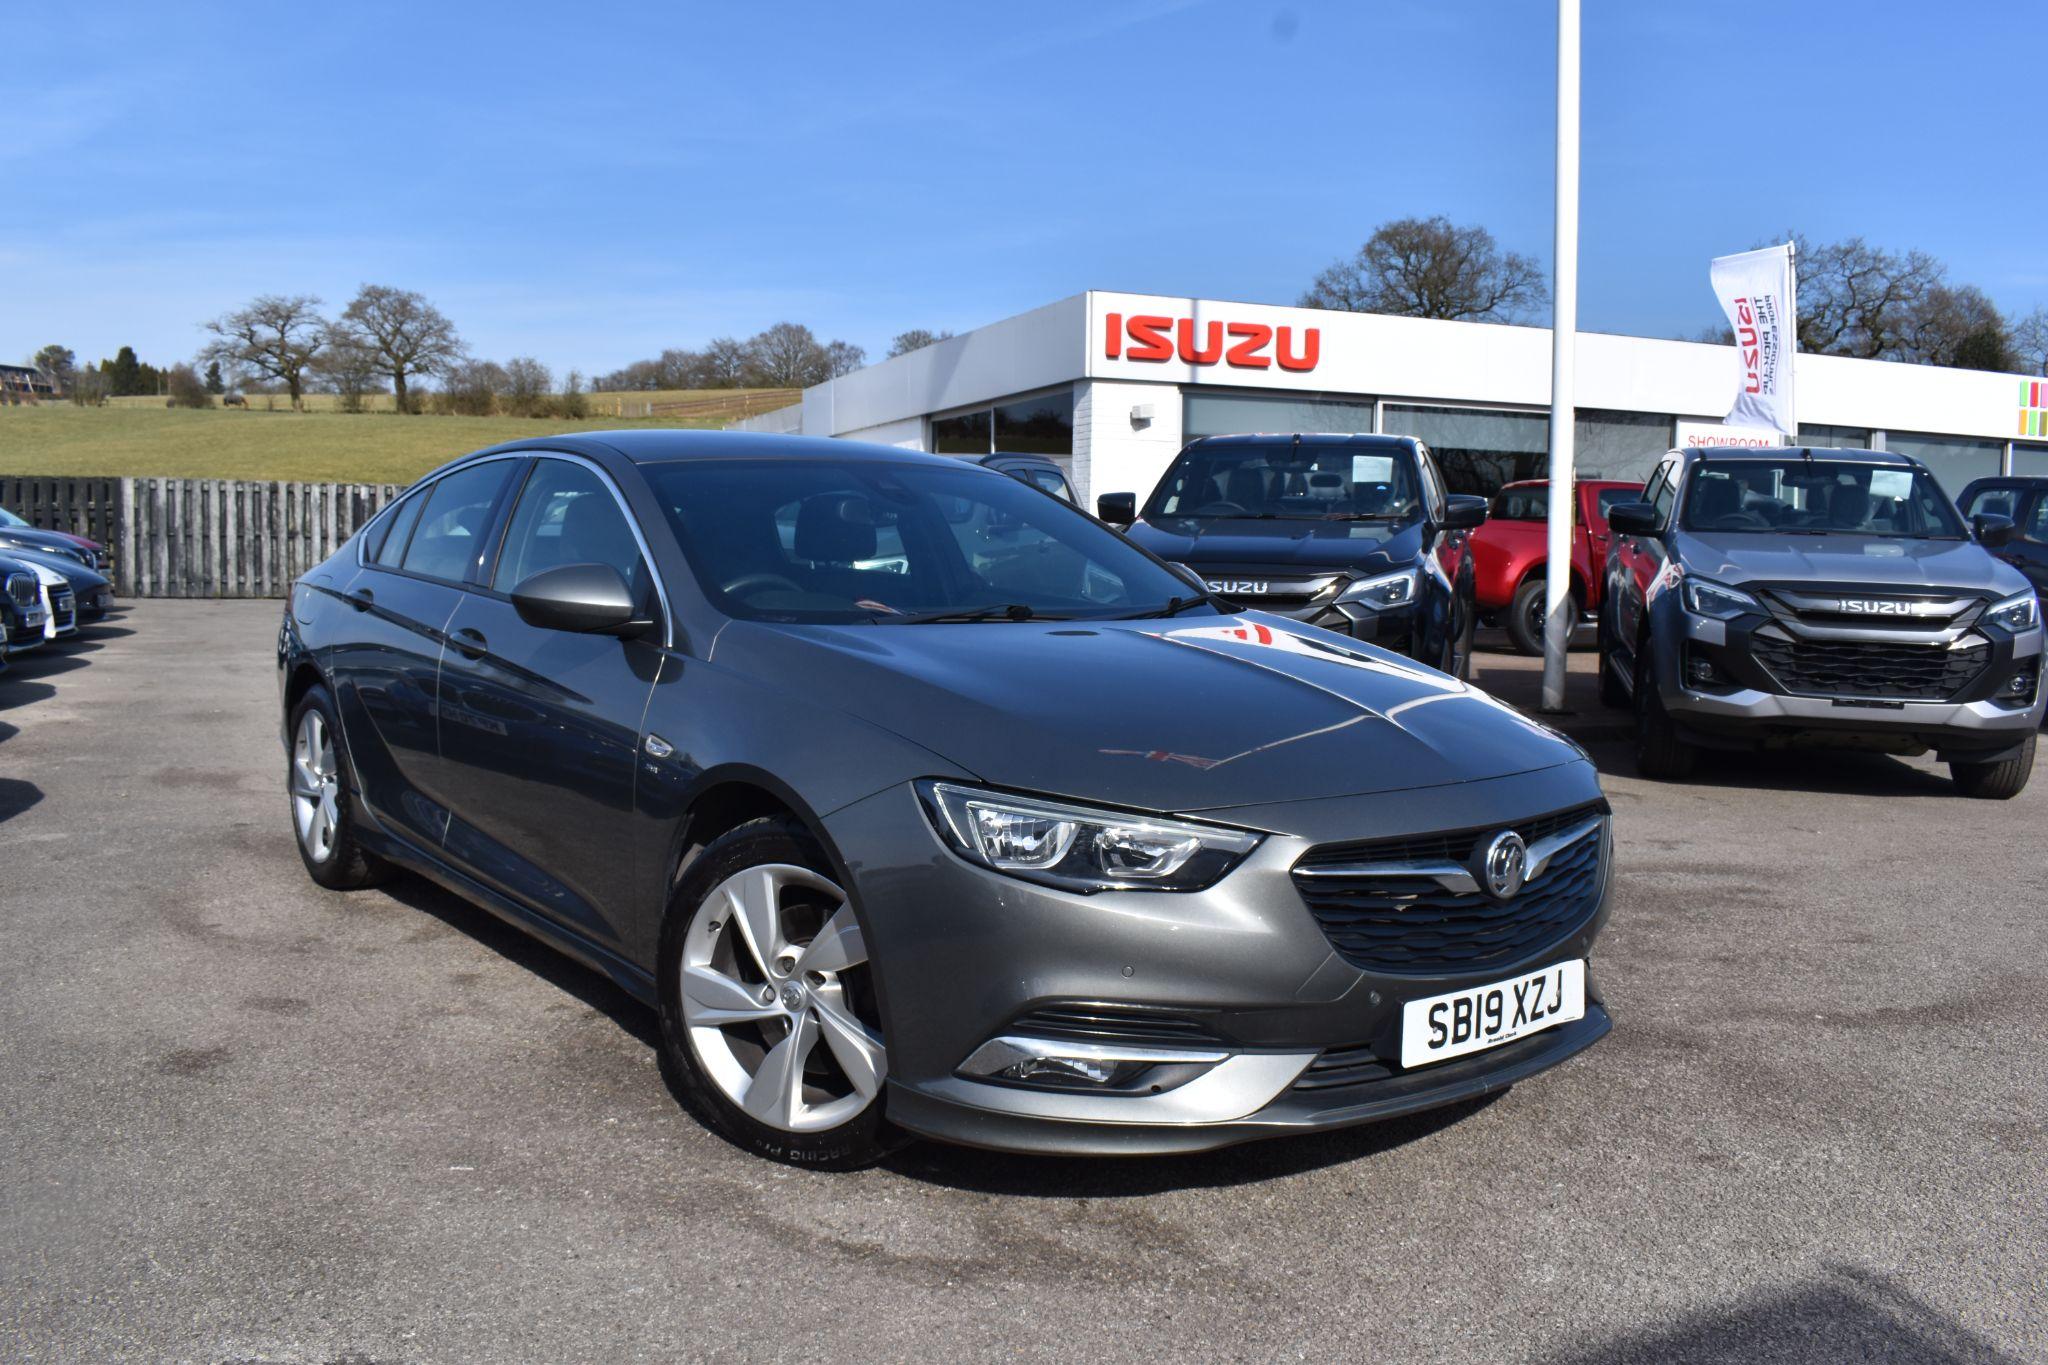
(528, 953)
(18, 688)
(1094, 1177)
(16, 796)
(1842, 1314)
(1815, 770)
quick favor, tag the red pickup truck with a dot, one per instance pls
(1508, 554)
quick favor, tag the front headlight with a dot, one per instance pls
(1705, 598)
(1080, 849)
(2016, 614)
(1388, 590)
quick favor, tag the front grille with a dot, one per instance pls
(1411, 924)
(1344, 1066)
(1105, 1023)
(1884, 671)
(1280, 604)
(1451, 846)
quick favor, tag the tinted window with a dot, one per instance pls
(1047, 480)
(1522, 504)
(2035, 528)
(1662, 491)
(450, 536)
(1241, 414)
(1789, 494)
(1281, 479)
(1607, 499)
(854, 541)
(968, 434)
(1037, 426)
(566, 515)
(2002, 502)
(399, 525)
(1478, 450)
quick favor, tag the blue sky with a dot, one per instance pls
(591, 183)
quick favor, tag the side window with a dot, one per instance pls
(2035, 527)
(1999, 501)
(1432, 485)
(399, 531)
(450, 537)
(567, 515)
(1663, 492)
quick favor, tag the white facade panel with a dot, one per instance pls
(906, 433)
(1126, 452)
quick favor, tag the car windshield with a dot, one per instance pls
(896, 541)
(1796, 496)
(1283, 480)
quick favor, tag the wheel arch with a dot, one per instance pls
(1541, 569)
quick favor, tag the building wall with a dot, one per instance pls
(1115, 453)
(907, 432)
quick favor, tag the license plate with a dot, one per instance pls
(1480, 1017)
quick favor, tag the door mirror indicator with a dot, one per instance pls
(1118, 509)
(588, 599)
(1992, 530)
(1632, 519)
(1464, 512)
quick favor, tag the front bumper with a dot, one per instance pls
(1391, 628)
(965, 956)
(1976, 723)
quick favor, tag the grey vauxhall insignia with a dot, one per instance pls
(917, 801)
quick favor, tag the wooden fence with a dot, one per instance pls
(201, 537)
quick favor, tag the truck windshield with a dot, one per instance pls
(1283, 481)
(1796, 496)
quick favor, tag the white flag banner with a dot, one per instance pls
(1757, 293)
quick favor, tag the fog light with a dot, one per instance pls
(2020, 687)
(1701, 673)
(1069, 1064)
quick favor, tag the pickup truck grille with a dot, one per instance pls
(1876, 671)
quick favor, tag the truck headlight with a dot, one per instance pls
(1388, 590)
(2016, 614)
(1703, 597)
(1079, 848)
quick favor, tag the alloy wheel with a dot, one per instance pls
(774, 965)
(315, 786)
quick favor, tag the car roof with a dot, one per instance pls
(1019, 456)
(1715, 454)
(1306, 438)
(1583, 483)
(651, 445)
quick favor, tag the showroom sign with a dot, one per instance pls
(1239, 345)
(1694, 435)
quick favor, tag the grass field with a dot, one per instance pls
(601, 404)
(142, 438)
(55, 440)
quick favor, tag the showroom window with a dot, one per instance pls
(1845, 438)
(1478, 450)
(2029, 459)
(1039, 425)
(1229, 414)
(1955, 460)
(1619, 445)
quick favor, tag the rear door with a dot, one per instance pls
(386, 669)
(2029, 549)
(540, 729)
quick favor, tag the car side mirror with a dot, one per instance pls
(586, 599)
(1118, 509)
(1632, 519)
(1464, 512)
(1992, 530)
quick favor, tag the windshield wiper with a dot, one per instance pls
(1174, 607)
(995, 611)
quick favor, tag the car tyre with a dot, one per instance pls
(770, 1031)
(2000, 781)
(1525, 617)
(1660, 753)
(322, 800)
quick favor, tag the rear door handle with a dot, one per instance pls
(362, 599)
(471, 643)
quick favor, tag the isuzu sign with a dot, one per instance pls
(1756, 290)
(1240, 345)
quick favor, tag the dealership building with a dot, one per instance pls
(1113, 385)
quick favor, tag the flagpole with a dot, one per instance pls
(1564, 332)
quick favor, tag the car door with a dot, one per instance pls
(2029, 549)
(540, 729)
(1444, 599)
(1639, 559)
(386, 668)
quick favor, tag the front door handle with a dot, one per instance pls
(471, 643)
(362, 599)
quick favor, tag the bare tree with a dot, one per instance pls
(276, 335)
(411, 336)
(787, 356)
(1955, 325)
(472, 388)
(916, 339)
(351, 363)
(1432, 268)
(725, 363)
(843, 358)
(187, 389)
(527, 386)
(1859, 300)
(2030, 342)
